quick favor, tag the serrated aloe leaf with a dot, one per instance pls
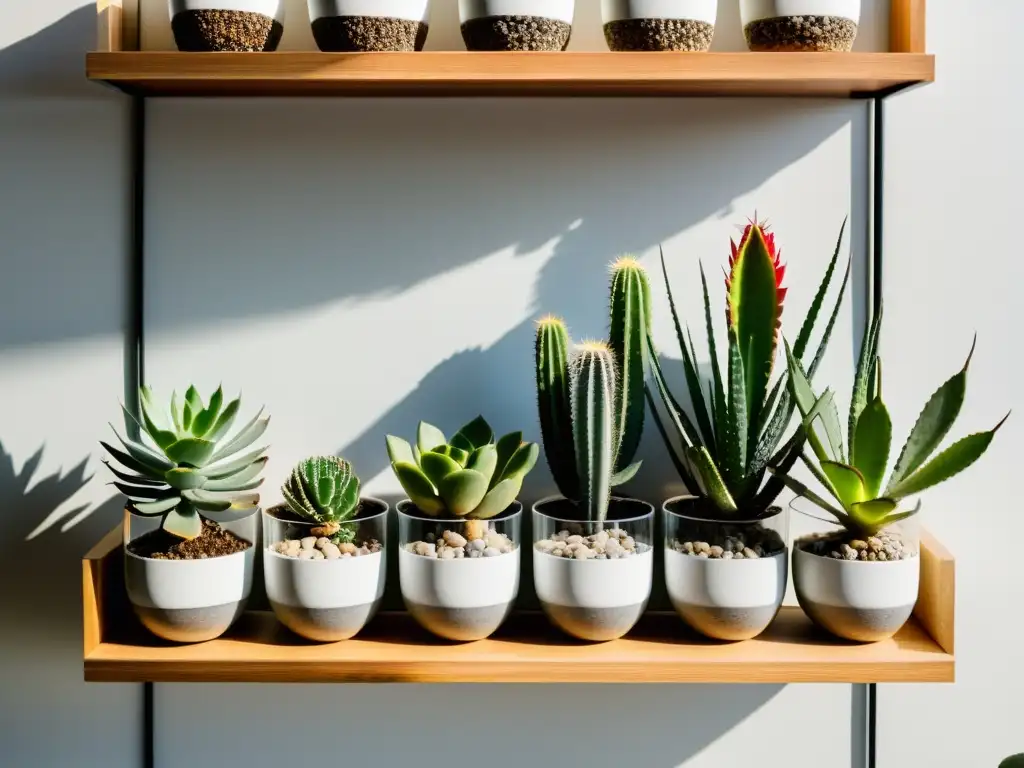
(869, 514)
(868, 353)
(870, 444)
(803, 491)
(847, 481)
(437, 466)
(498, 499)
(506, 446)
(144, 454)
(478, 432)
(950, 462)
(193, 451)
(462, 491)
(734, 448)
(688, 433)
(718, 393)
(418, 487)
(156, 507)
(712, 484)
(203, 422)
(833, 430)
(933, 424)
(804, 335)
(246, 436)
(237, 479)
(522, 462)
(625, 474)
(680, 462)
(783, 461)
(225, 420)
(806, 402)
(146, 492)
(231, 465)
(399, 450)
(132, 463)
(898, 516)
(429, 437)
(820, 476)
(184, 525)
(484, 460)
(129, 478)
(459, 455)
(184, 478)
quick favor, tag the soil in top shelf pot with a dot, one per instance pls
(659, 35)
(214, 541)
(516, 33)
(203, 30)
(352, 34)
(801, 33)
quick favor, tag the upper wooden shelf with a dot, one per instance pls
(460, 73)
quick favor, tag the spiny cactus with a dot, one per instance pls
(592, 393)
(471, 476)
(324, 489)
(184, 466)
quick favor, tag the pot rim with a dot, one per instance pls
(500, 517)
(721, 521)
(269, 512)
(559, 497)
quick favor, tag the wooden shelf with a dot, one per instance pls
(460, 73)
(393, 649)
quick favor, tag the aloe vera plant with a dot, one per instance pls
(470, 476)
(854, 476)
(325, 490)
(183, 467)
(734, 428)
(591, 398)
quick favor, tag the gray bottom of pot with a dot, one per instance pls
(727, 623)
(463, 624)
(190, 625)
(325, 625)
(863, 625)
(598, 624)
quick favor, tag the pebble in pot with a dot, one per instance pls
(325, 557)
(800, 25)
(459, 530)
(516, 25)
(659, 25)
(192, 513)
(348, 26)
(227, 25)
(860, 582)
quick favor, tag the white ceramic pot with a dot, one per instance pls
(659, 25)
(855, 600)
(786, 25)
(594, 599)
(369, 25)
(460, 599)
(623, 10)
(486, 26)
(192, 32)
(327, 600)
(726, 599)
(191, 601)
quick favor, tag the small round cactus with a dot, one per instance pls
(324, 489)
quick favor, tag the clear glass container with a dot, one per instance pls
(689, 532)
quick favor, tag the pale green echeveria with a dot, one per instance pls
(469, 476)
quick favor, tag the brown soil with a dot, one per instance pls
(214, 541)
(348, 34)
(658, 35)
(209, 30)
(516, 33)
(801, 33)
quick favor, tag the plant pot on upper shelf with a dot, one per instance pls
(516, 25)
(227, 25)
(192, 525)
(459, 530)
(348, 26)
(325, 552)
(659, 25)
(800, 25)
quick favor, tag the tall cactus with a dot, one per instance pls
(552, 363)
(630, 310)
(593, 387)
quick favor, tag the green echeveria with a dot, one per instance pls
(325, 490)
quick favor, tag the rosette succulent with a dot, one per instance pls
(470, 476)
(184, 467)
(324, 490)
(725, 443)
(855, 476)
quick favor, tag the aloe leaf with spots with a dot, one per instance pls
(861, 498)
(182, 467)
(722, 444)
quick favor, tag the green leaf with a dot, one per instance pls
(820, 476)
(204, 421)
(688, 433)
(193, 407)
(506, 447)
(144, 454)
(833, 430)
(240, 480)
(712, 484)
(868, 354)
(718, 393)
(146, 492)
(437, 466)
(418, 487)
(177, 415)
(933, 424)
(192, 451)
(150, 508)
(629, 309)
(847, 481)
(231, 465)
(1013, 761)
(807, 403)
(134, 479)
(462, 443)
(803, 338)
(734, 451)
(870, 444)
(803, 491)
(162, 437)
(221, 501)
(681, 463)
(522, 462)
(463, 491)
(869, 514)
(184, 478)
(478, 432)
(950, 462)
(429, 437)
(783, 461)
(183, 524)
(459, 455)
(204, 503)
(625, 474)
(498, 499)
(225, 420)
(399, 450)
(551, 352)
(246, 436)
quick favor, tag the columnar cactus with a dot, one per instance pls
(325, 490)
(592, 386)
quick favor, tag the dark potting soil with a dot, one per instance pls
(206, 30)
(801, 33)
(351, 34)
(516, 33)
(659, 35)
(214, 541)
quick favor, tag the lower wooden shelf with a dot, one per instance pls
(393, 649)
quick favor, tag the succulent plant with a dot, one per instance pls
(854, 477)
(325, 490)
(471, 476)
(736, 427)
(591, 402)
(184, 468)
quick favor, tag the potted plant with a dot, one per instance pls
(800, 25)
(861, 581)
(369, 25)
(191, 526)
(458, 558)
(592, 556)
(726, 563)
(516, 25)
(659, 25)
(325, 555)
(227, 25)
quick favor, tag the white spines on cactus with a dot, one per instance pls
(592, 395)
